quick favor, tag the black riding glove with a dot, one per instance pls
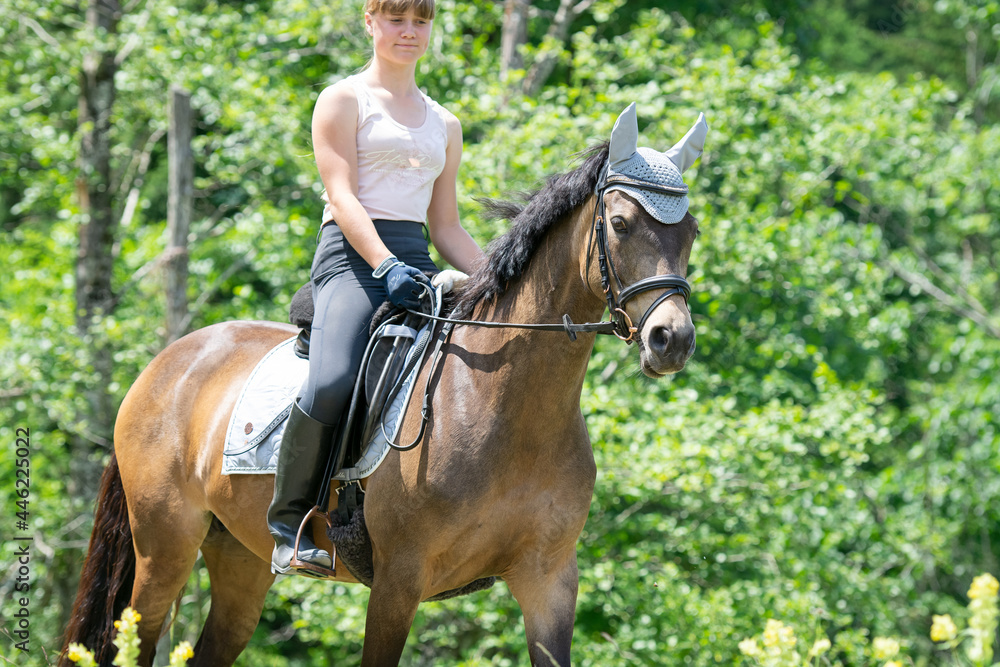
(402, 284)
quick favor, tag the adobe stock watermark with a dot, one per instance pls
(19, 622)
(896, 21)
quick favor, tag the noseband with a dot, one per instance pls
(671, 283)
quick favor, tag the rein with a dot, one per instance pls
(568, 326)
(619, 324)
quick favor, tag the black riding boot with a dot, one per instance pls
(302, 460)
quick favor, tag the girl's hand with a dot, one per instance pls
(402, 282)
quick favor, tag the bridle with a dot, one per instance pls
(672, 283)
(620, 323)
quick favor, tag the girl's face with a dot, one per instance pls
(399, 38)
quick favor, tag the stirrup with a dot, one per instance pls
(305, 567)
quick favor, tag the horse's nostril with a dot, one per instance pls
(659, 341)
(687, 341)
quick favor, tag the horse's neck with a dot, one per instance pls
(553, 283)
(544, 366)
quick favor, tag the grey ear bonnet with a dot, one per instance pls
(646, 164)
(649, 165)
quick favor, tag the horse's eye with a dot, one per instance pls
(618, 224)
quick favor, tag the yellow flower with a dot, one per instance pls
(820, 647)
(984, 586)
(893, 663)
(181, 654)
(76, 652)
(749, 647)
(943, 628)
(983, 619)
(885, 648)
(127, 639)
(80, 655)
(777, 634)
(129, 619)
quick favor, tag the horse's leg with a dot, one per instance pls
(240, 581)
(166, 551)
(546, 592)
(392, 605)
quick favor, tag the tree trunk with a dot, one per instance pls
(515, 35)
(558, 32)
(180, 192)
(94, 297)
(97, 97)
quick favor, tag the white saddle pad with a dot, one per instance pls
(261, 412)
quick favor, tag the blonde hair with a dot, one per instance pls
(422, 8)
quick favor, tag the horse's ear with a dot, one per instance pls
(687, 150)
(624, 137)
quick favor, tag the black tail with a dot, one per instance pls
(108, 573)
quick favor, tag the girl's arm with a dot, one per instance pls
(335, 145)
(447, 233)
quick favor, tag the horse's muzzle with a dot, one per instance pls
(666, 345)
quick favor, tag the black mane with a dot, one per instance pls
(509, 255)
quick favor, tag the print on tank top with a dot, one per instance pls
(402, 161)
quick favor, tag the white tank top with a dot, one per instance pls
(397, 165)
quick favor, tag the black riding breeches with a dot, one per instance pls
(345, 296)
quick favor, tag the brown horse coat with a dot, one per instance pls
(500, 485)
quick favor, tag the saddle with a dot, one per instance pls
(398, 344)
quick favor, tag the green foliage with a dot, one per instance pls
(830, 456)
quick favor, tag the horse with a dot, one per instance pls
(499, 485)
